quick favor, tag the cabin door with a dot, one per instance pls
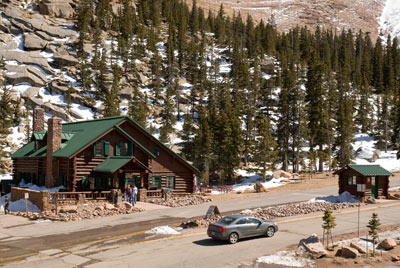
(374, 187)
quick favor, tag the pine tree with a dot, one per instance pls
(328, 225)
(265, 154)
(138, 107)
(167, 116)
(373, 226)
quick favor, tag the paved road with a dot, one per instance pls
(21, 237)
(194, 249)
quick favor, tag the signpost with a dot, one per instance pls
(212, 210)
(26, 202)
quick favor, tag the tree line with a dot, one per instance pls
(323, 85)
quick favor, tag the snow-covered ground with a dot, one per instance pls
(164, 230)
(344, 197)
(390, 19)
(20, 205)
(365, 144)
(293, 258)
(248, 184)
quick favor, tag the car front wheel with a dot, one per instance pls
(270, 231)
(233, 238)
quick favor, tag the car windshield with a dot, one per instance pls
(226, 220)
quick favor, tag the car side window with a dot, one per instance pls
(242, 221)
(254, 221)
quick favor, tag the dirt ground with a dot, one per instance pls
(317, 181)
(363, 261)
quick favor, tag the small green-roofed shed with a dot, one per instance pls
(364, 181)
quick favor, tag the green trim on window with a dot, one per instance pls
(130, 148)
(170, 182)
(117, 148)
(156, 181)
(156, 151)
(106, 148)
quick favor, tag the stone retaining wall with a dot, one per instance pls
(40, 199)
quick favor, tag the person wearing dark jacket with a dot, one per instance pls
(7, 204)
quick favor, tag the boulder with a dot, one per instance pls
(259, 187)
(126, 205)
(349, 252)
(54, 110)
(58, 86)
(30, 92)
(359, 248)
(375, 156)
(388, 243)
(100, 208)
(57, 8)
(33, 42)
(280, 173)
(64, 59)
(109, 206)
(69, 209)
(395, 258)
(313, 245)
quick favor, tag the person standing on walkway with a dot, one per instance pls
(134, 194)
(7, 204)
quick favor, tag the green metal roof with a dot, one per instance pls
(112, 164)
(371, 170)
(64, 135)
(78, 135)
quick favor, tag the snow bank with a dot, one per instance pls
(165, 230)
(20, 205)
(287, 258)
(248, 184)
(344, 197)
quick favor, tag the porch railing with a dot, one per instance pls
(65, 197)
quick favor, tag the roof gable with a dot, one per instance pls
(368, 170)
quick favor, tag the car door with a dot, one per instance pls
(255, 227)
(243, 228)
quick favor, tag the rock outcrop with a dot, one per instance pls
(313, 246)
(388, 243)
(57, 8)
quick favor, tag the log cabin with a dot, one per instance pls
(364, 181)
(100, 154)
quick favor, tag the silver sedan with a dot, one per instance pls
(233, 227)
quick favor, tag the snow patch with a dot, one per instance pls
(344, 197)
(390, 20)
(165, 230)
(287, 258)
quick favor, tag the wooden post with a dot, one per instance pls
(26, 202)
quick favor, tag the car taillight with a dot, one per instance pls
(222, 228)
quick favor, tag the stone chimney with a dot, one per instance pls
(38, 120)
(53, 144)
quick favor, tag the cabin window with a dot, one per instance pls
(352, 180)
(156, 182)
(170, 182)
(101, 148)
(123, 148)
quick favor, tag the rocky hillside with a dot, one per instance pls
(329, 14)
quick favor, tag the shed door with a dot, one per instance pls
(374, 187)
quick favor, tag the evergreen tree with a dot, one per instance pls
(138, 109)
(373, 226)
(328, 225)
(265, 154)
(167, 116)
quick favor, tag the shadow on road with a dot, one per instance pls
(210, 242)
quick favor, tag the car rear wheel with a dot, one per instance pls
(270, 231)
(233, 238)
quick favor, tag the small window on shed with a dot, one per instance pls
(352, 180)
